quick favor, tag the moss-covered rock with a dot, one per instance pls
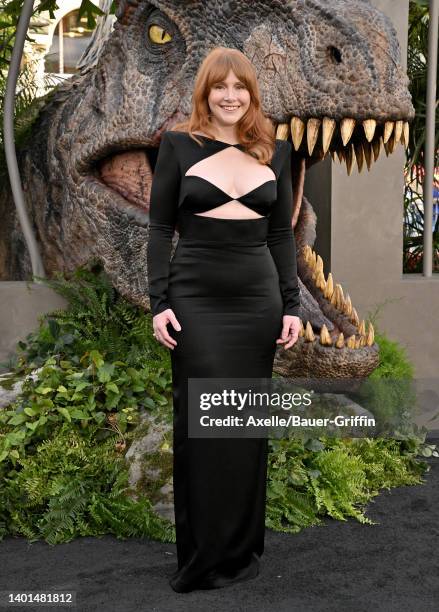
(150, 461)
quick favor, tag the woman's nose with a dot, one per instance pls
(229, 96)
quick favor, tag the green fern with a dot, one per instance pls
(334, 477)
(75, 486)
(97, 317)
(341, 484)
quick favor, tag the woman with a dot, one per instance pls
(229, 295)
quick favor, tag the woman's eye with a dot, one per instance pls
(158, 35)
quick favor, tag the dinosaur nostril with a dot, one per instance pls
(335, 54)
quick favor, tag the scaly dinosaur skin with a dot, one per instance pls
(330, 78)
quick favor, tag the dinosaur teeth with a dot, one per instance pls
(339, 288)
(370, 335)
(318, 265)
(367, 150)
(358, 148)
(334, 294)
(306, 252)
(388, 129)
(340, 341)
(309, 334)
(347, 305)
(327, 133)
(334, 298)
(346, 130)
(369, 126)
(325, 337)
(282, 131)
(297, 131)
(398, 130)
(392, 142)
(362, 151)
(329, 289)
(354, 317)
(320, 281)
(312, 133)
(351, 343)
(405, 133)
(349, 157)
(376, 148)
(390, 145)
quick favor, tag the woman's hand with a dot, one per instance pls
(159, 323)
(290, 331)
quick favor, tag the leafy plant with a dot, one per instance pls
(79, 407)
(336, 477)
(73, 487)
(95, 393)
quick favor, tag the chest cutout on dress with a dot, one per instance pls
(234, 174)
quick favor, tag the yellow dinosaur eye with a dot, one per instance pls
(158, 35)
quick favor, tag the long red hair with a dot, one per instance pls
(256, 132)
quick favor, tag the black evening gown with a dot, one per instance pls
(229, 283)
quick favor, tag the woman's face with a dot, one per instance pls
(228, 100)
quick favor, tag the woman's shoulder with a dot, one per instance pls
(174, 135)
(179, 140)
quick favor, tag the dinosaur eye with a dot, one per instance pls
(158, 35)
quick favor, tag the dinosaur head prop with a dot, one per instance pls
(330, 78)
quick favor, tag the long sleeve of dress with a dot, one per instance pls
(162, 220)
(281, 241)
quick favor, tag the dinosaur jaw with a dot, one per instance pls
(333, 344)
(346, 328)
(331, 325)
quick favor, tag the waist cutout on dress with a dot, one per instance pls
(211, 229)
